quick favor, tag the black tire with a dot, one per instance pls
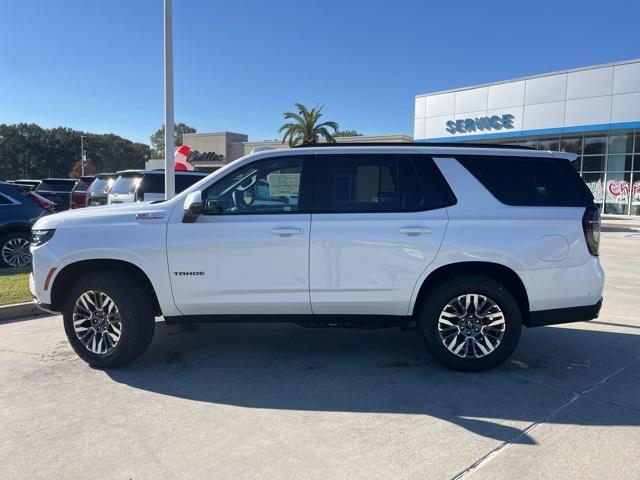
(16, 235)
(135, 309)
(437, 299)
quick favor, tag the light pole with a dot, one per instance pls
(83, 156)
(169, 173)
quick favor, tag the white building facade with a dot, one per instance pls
(593, 111)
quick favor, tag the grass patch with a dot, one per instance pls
(14, 285)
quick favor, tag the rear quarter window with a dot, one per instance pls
(530, 182)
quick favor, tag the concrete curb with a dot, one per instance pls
(20, 310)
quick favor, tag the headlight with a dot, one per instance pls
(40, 237)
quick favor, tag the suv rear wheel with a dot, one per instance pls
(470, 323)
(14, 249)
(108, 318)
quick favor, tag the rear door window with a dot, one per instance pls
(362, 183)
(525, 181)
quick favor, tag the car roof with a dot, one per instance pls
(60, 180)
(430, 148)
(414, 144)
(159, 171)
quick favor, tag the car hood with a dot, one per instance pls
(107, 214)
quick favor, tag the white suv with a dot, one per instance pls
(467, 243)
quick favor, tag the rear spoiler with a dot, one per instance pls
(564, 155)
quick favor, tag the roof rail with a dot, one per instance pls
(414, 144)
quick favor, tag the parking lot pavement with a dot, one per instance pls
(280, 402)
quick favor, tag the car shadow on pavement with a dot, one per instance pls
(378, 371)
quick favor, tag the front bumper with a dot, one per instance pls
(556, 316)
(32, 288)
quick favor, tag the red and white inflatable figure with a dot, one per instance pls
(180, 159)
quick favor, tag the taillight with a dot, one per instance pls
(78, 200)
(591, 229)
(43, 202)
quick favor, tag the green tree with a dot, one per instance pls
(157, 139)
(348, 133)
(30, 151)
(306, 128)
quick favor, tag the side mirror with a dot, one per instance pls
(193, 207)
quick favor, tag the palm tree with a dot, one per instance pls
(305, 128)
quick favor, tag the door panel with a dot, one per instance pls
(247, 269)
(249, 252)
(364, 264)
(378, 222)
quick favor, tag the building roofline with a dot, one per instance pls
(216, 133)
(354, 139)
(530, 77)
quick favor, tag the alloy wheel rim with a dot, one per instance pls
(15, 252)
(471, 326)
(96, 322)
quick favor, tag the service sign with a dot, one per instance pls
(481, 124)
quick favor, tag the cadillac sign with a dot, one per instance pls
(482, 124)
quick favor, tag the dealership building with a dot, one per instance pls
(593, 112)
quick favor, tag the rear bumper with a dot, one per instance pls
(555, 316)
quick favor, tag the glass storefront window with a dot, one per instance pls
(595, 145)
(620, 144)
(571, 144)
(619, 163)
(549, 144)
(636, 162)
(617, 193)
(595, 182)
(576, 164)
(593, 163)
(635, 195)
(637, 147)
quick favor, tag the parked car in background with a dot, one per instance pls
(79, 192)
(19, 209)
(147, 185)
(33, 184)
(57, 190)
(98, 191)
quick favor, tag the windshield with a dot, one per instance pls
(101, 185)
(126, 184)
(56, 186)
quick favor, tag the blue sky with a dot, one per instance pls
(96, 65)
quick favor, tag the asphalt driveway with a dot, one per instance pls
(283, 402)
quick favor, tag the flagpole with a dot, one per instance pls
(169, 173)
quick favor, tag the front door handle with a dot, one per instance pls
(286, 232)
(414, 231)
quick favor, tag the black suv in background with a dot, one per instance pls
(79, 192)
(98, 191)
(19, 209)
(57, 190)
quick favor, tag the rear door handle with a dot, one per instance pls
(414, 231)
(286, 232)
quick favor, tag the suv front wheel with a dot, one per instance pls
(470, 323)
(108, 318)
